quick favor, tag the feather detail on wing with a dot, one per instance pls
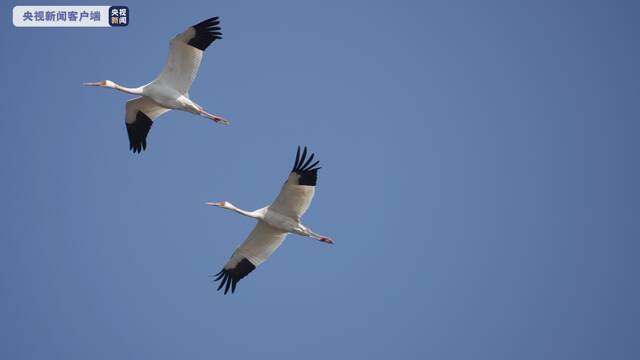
(185, 55)
(259, 245)
(139, 115)
(297, 192)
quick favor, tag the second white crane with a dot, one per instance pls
(274, 222)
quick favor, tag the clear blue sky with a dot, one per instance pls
(480, 177)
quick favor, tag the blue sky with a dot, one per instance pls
(479, 177)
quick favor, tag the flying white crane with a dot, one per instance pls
(274, 222)
(170, 90)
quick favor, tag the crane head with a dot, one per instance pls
(221, 204)
(103, 83)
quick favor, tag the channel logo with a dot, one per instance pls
(71, 16)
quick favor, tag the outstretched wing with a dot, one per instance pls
(185, 54)
(297, 192)
(259, 245)
(139, 115)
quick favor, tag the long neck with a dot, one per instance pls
(134, 91)
(252, 214)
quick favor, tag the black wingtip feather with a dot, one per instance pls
(226, 288)
(308, 173)
(222, 282)
(304, 167)
(295, 164)
(312, 166)
(230, 277)
(218, 276)
(138, 131)
(207, 32)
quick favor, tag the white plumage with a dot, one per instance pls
(170, 90)
(274, 222)
(182, 64)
